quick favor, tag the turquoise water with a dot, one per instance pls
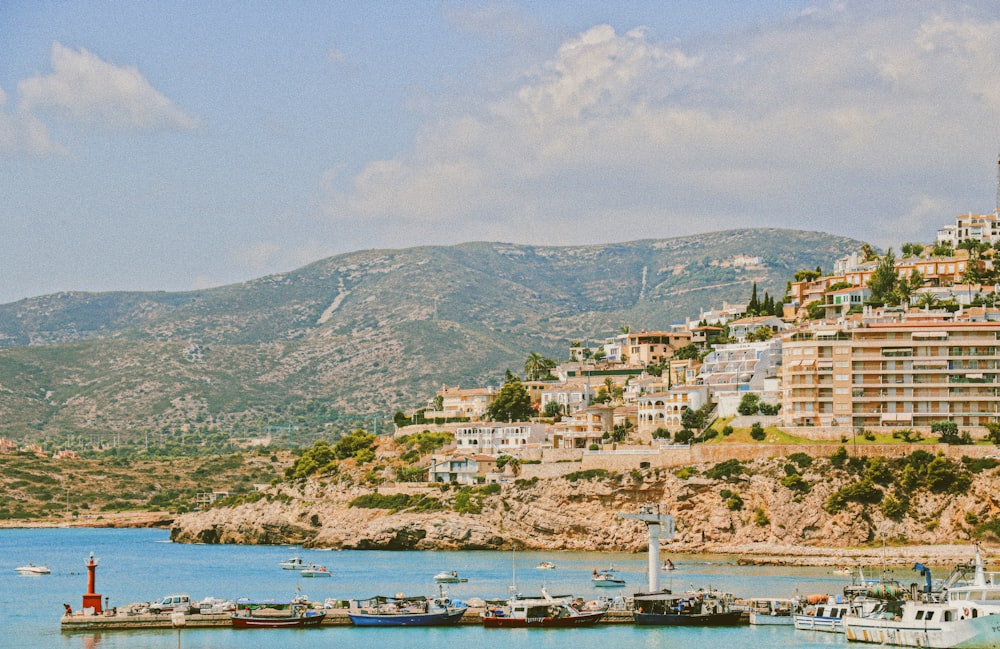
(142, 565)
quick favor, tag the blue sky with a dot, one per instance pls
(182, 145)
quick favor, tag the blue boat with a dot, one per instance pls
(407, 611)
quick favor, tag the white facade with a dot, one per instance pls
(494, 439)
(664, 409)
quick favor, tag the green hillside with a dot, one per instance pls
(360, 333)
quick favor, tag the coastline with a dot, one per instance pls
(764, 554)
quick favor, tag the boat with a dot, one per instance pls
(842, 571)
(449, 577)
(294, 563)
(826, 613)
(32, 569)
(963, 618)
(693, 608)
(607, 579)
(315, 571)
(541, 612)
(772, 611)
(546, 565)
(407, 611)
(298, 616)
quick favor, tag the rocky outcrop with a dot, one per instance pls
(582, 515)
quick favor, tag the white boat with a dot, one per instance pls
(32, 569)
(449, 577)
(828, 615)
(293, 563)
(546, 565)
(772, 611)
(607, 579)
(963, 619)
(315, 571)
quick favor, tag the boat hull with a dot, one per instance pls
(819, 623)
(969, 633)
(766, 619)
(311, 618)
(500, 622)
(444, 618)
(729, 618)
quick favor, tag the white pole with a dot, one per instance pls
(654, 557)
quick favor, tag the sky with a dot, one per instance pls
(189, 144)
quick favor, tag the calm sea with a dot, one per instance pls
(142, 565)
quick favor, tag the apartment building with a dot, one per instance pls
(979, 227)
(496, 438)
(654, 347)
(894, 374)
(664, 409)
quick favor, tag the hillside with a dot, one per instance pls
(366, 332)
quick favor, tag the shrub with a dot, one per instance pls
(661, 433)
(795, 482)
(760, 517)
(757, 431)
(587, 474)
(878, 471)
(686, 472)
(839, 457)
(893, 508)
(724, 470)
(727, 430)
(978, 465)
(734, 503)
(863, 492)
(801, 459)
(684, 436)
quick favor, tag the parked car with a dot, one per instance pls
(170, 603)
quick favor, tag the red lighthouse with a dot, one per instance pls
(90, 598)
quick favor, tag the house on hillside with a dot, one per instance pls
(463, 402)
(497, 438)
(583, 428)
(744, 327)
(664, 409)
(461, 469)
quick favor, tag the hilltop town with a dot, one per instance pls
(905, 347)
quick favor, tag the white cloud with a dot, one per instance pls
(825, 120)
(24, 133)
(86, 89)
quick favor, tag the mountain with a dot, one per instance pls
(364, 332)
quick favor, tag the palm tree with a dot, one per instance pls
(536, 366)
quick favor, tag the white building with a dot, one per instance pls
(498, 438)
(664, 409)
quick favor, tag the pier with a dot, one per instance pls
(120, 621)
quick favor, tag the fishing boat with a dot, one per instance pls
(315, 571)
(32, 569)
(541, 612)
(826, 613)
(772, 611)
(693, 608)
(964, 618)
(546, 565)
(259, 618)
(449, 577)
(607, 579)
(407, 611)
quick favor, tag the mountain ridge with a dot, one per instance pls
(362, 332)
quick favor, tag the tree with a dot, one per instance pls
(753, 306)
(687, 352)
(749, 404)
(512, 402)
(537, 366)
(884, 280)
(994, 432)
(553, 409)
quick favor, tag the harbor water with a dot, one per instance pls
(140, 565)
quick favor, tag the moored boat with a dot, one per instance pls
(407, 611)
(449, 577)
(541, 612)
(294, 563)
(826, 613)
(546, 565)
(32, 569)
(772, 611)
(694, 608)
(963, 619)
(295, 617)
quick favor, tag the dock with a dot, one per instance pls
(121, 621)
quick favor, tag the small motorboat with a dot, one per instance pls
(607, 579)
(843, 571)
(299, 616)
(407, 611)
(315, 571)
(545, 612)
(694, 608)
(32, 569)
(293, 563)
(449, 577)
(546, 565)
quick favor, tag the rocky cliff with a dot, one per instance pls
(752, 507)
